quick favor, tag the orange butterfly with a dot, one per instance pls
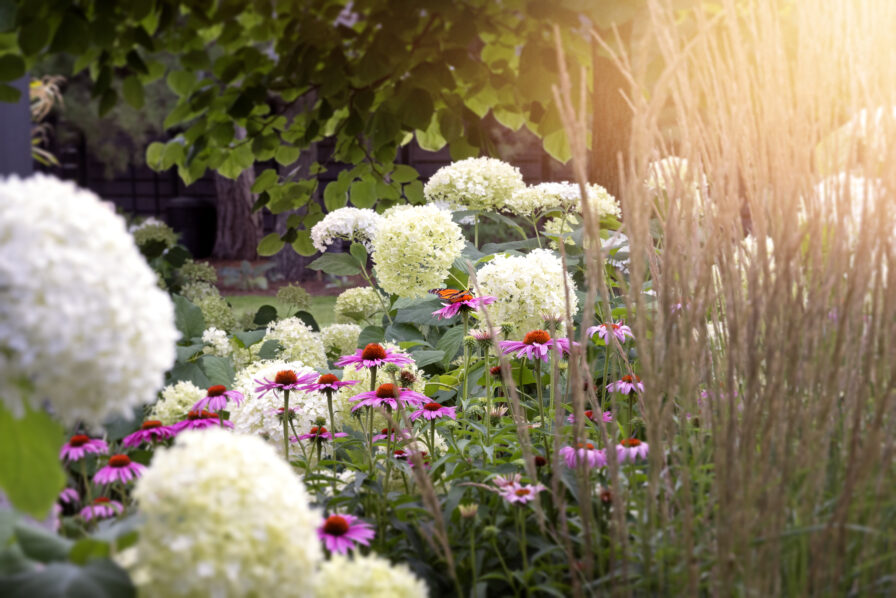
(452, 295)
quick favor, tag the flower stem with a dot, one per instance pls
(379, 295)
(286, 425)
(476, 231)
(329, 394)
(370, 418)
(466, 317)
(488, 399)
(432, 438)
(86, 481)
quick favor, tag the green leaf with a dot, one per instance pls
(100, 578)
(363, 193)
(270, 349)
(30, 472)
(219, 370)
(404, 174)
(72, 35)
(185, 353)
(309, 320)
(12, 67)
(190, 372)
(334, 196)
(338, 264)
(132, 90)
(188, 318)
(265, 315)
(107, 102)
(181, 82)
(10, 94)
(371, 334)
(360, 253)
(451, 343)
(265, 180)
(286, 155)
(303, 245)
(87, 549)
(421, 314)
(154, 154)
(270, 244)
(41, 545)
(249, 337)
(557, 146)
(417, 109)
(424, 358)
(34, 36)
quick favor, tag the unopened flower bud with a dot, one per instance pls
(468, 511)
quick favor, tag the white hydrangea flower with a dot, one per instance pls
(527, 288)
(674, 172)
(357, 305)
(553, 228)
(368, 576)
(83, 325)
(564, 196)
(414, 249)
(340, 339)
(353, 224)
(224, 515)
(177, 400)
(260, 415)
(219, 343)
(474, 184)
(300, 342)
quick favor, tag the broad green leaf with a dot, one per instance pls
(154, 154)
(363, 193)
(99, 578)
(371, 334)
(219, 370)
(249, 337)
(30, 473)
(10, 94)
(309, 320)
(12, 67)
(404, 174)
(270, 244)
(188, 318)
(40, 544)
(286, 155)
(451, 343)
(34, 36)
(417, 109)
(265, 180)
(190, 372)
(557, 146)
(424, 358)
(87, 549)
(265, 315)
(181, 82)
(421, 314)
(132, 90)
(359, 252)
(270, 349)
(334, 196)
(338, 264)
(402, 333)
(303, 244)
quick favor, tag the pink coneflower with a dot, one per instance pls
(518, 493)
(69, 495)
(391, 395)
(630, 449)
(395, 436)
(329, 383)
(535, 345)
(339, 533)
(626, 385)
(619, 330)
(216, 398)
(434, 410)
(607, 417)
(502, 481)
(374, 355)
(120, 469)
(466, 302)
(101, 508)
(403, 455)
(198, 420)
(319, 433)
(584, 452)
(150, 431)
(79, 445)
(284, 380)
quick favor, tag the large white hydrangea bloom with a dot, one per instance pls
(300, 342)
(224, 515)
(353, 224)
(474, 184)
(527, 287)
(340, 339)
(176, 401)
(357, 304)
(82, 323)
(414, 249)
(561, 196)
(260, 416)
(368, 576)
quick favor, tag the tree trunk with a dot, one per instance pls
(239, 228)
(612, 124)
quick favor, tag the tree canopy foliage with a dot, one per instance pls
(370, 74)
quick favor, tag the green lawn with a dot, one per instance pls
(321, 306)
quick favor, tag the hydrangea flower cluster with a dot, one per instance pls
(216, 311)
(261, 414)
(555, 227)
(674, 172)
(235, 525)
(177, 400)
(340, 339)
(353, 224)
(414, 249)
(561, 196)
(371, 576)
(300, 342)
(474, 184)
(527, 288)
(219, 343)
(357, 304)
(153, 230)
(84, 326)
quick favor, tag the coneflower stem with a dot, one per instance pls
(86, 481)
(466, 317)
(286, 424)
(432, 438)
(488, 399)
(370, 418)
(329, 394)
(476, 231)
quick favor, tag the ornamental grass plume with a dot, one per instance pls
(527, 287)
(238, 524)
(414, 249)
(84, 327)
(369, 576)
(474, 184)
